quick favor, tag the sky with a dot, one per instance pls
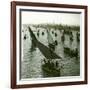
(51, 18)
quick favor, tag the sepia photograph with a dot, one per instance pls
(50, 44)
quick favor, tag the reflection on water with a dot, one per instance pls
(33, 59)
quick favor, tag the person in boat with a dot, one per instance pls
(25, 37)
(56, 43)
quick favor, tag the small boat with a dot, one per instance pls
(50, 69)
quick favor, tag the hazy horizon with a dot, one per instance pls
(50, 18)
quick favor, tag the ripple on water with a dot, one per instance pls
(32, 60)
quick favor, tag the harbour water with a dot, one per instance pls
(32, 59)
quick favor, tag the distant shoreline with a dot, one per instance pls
(55, 26)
